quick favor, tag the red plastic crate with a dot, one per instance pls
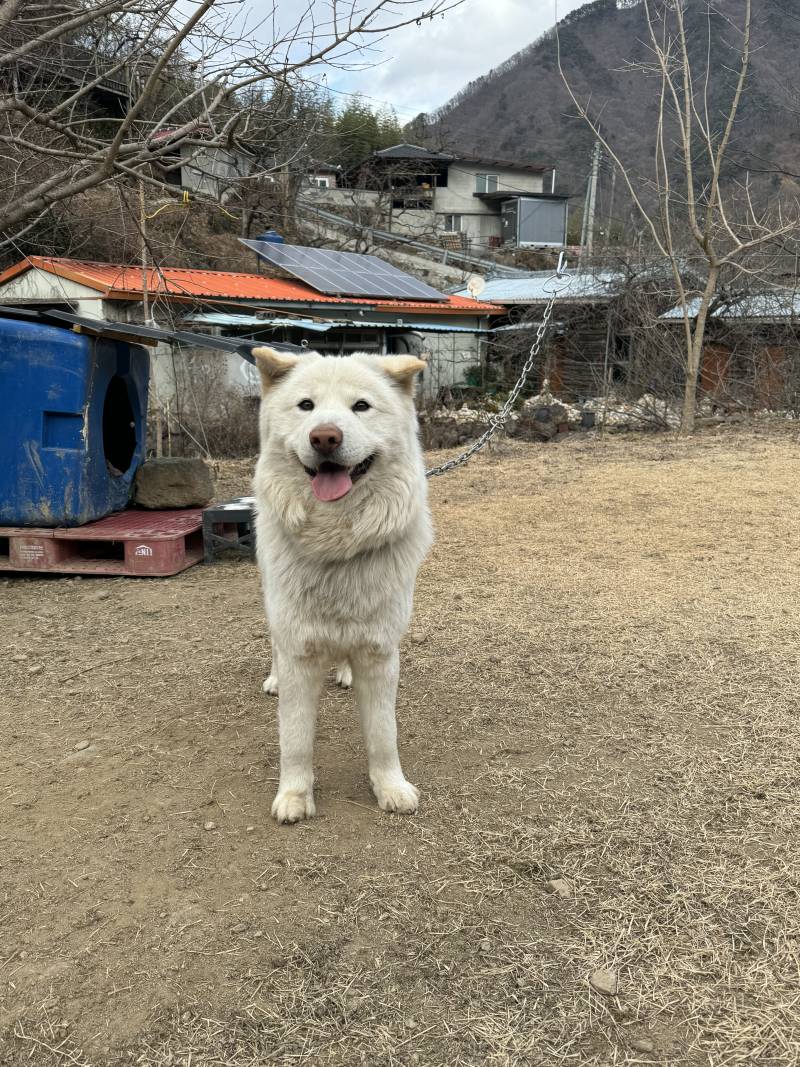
(136, 543)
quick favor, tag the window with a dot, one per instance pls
(320, 183)
(486, 183)
(453, 223)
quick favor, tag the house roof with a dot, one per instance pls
(538, 287)
(777, 305)
(251, 322)
(504, 164)
(116, 282)
(413, 151)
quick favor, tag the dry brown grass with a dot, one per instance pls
(600, 685)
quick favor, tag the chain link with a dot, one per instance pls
(500, 418)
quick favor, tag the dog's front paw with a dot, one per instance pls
(344, 675)
(293, 806)
(271, 685)
(401, 797)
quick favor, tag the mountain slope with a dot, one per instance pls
(522, 109)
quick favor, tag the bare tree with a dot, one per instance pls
(97, 91)
(701, 212)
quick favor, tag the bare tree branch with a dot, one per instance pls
(180, 75)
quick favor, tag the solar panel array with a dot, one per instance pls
(343, 273)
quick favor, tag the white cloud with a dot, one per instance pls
(421, 67)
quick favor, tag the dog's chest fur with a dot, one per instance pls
(341, 577)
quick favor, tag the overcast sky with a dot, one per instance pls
(422, 67)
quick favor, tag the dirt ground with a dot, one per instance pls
(600, 689)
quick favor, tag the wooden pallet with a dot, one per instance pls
(134, 543)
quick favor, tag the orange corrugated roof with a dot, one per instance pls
(117, 282)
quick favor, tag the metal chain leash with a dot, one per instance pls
(497, 421)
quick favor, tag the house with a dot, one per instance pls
(323, 175)
(215, 171)
(61, 66)
(451, 333)
(751, 349)
(609, 334)
(589, 343)
(199, 168)
(459, 199)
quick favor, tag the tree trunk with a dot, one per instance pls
(694, 353)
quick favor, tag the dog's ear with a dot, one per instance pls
(402, 369)
(272, 366)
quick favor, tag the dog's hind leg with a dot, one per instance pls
(301, 683)
(344, 674)
(271, 681)
(375, 682)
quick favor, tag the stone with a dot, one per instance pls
(643, 1044)
(210, 825)
(239, 928)
(604, 982)
(485, 945)
(81, 745)
(173, 482)
(560, 887)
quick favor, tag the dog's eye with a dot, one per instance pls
(361, 405)
(306, 405)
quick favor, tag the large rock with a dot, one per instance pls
(173, 482)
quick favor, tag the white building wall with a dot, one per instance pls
(41, 287)
(480, 218)
(458, 195)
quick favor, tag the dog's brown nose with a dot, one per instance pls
(325, 438)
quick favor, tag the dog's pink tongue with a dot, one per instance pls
(331, 485)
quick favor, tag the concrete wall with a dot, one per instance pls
(338, 199)
(415, 222)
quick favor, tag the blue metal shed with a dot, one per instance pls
(74, 411)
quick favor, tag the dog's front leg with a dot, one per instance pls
(375, 682)
(301, 682)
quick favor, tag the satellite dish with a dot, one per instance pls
(476, 285)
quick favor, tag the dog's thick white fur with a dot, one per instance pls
(338, 564)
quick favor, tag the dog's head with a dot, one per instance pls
(337, 418)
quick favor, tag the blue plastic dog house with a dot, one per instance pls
(74, 412)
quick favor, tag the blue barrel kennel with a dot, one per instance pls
(74, 413)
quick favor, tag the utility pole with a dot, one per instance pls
(592, 200)
(585, 217)
(611, 205)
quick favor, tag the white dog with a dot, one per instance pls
(342, 527)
